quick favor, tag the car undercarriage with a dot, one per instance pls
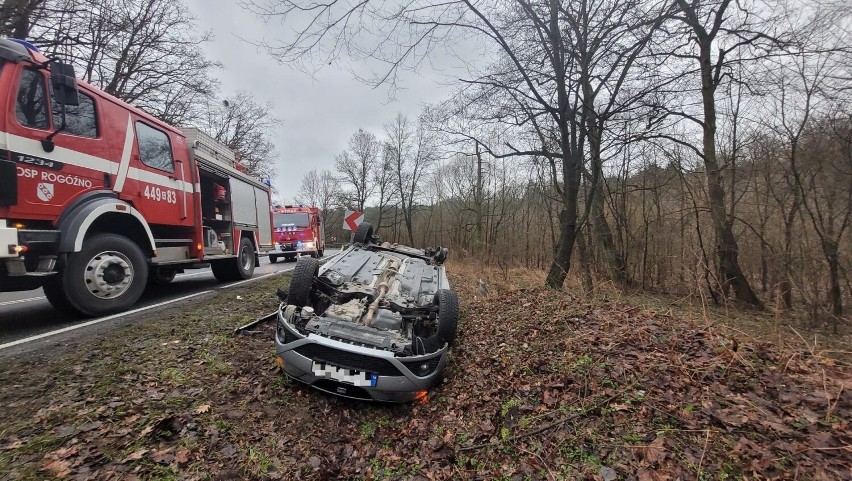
(378, 317)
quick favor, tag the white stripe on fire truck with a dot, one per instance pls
(28, 146)
(33, 147)
(125, 156)
(162, 181)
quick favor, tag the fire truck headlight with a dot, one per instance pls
(308, 245)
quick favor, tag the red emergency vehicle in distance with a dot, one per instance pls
(298, 230)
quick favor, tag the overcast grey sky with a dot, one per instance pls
(319, 114)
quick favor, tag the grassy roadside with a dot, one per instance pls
(542, 385)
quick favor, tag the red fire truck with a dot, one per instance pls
(98, 198)
(298, 230)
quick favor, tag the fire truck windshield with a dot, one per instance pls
(298, 219)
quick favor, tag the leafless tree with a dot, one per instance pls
(411, 150)
(145, 52)
(247, 127)
(357, 167)
(319, 189)
(719, 33)
(383, 179)
(828, 176)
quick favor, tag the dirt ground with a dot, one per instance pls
(542, 385)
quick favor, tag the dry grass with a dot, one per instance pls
(790, 330)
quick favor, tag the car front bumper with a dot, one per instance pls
(395, 380)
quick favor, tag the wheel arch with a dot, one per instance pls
(104, 215)
(252, 235)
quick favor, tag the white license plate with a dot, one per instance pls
(351, 376)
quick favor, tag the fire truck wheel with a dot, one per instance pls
(273, 259)
(161, 277)
(302, 281)
(56, 295)
(236, 269)
(108, 275)
(320, 253)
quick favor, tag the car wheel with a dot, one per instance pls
(302, 282)
(273, 259)
(108, 275)
(364, 234)
(160, 277)
(448, 315)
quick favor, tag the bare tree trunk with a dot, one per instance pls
(785, 286)
(477, 200)
(572, 158)
(613, 261)
(727, 250)
(562, 258)
(830, 249)
(585, 265)
(601, 232)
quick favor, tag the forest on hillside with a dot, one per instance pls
(696, 147)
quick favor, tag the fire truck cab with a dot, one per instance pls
(299, 230)
(98, 198)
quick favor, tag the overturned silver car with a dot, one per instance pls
(374, 323)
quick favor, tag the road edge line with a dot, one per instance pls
(97, 321)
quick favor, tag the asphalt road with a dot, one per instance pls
(27, 314)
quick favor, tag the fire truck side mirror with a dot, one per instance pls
(64, 83)
(64, 93)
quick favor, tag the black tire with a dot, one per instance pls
(320, 253)
(55, 295)
(108, 275)
(161, 277)
(273, 259)
(302, 282)
(238, 268)
(448, 315)
(364, 234)
(222, 270)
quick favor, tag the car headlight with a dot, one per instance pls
(308, 245)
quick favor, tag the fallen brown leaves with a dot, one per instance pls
(542, 385)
